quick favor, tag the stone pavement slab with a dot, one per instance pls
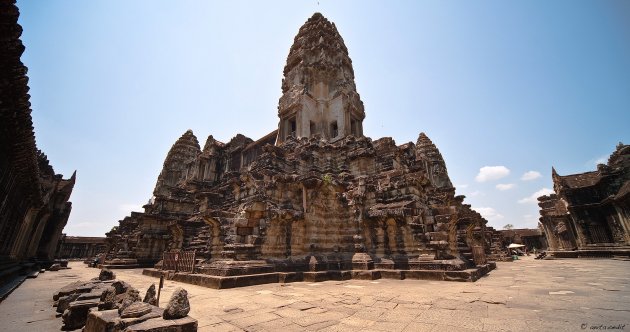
(559, 295)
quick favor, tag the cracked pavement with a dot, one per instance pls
(559, 295)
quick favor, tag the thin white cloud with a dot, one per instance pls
(533, 198)
(505, 186)
(530, 175)
(489, 213)
(490, 173)
(475, 193)
(462, 186)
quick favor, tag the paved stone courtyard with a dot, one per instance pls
(559, 295)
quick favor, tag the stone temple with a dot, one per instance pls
(314, 199)
(589, 213)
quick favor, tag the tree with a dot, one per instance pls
(508, 226)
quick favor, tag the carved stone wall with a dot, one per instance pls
(590, 211)
(34, 205)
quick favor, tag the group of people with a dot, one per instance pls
(526, 252)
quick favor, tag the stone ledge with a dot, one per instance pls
(119, 266)
(218, 282)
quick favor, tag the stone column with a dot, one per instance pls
(21, 243)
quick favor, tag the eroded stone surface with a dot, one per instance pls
(132, 295)
(106, 274)
(64, 301)
(75, 316)
(178, 306)
(136, 309)
(108, 299)
(150, 296)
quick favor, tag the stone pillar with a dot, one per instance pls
(21, 243)
(36, 235)
(623, 222)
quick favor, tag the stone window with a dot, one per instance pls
(244, 231)
(334, 131)
(292, 127)
(312, 128)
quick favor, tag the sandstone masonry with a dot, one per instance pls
(313, 196)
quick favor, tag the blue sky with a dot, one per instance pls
(501, 87)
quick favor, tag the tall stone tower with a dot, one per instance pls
(319, 96)
(177, 164)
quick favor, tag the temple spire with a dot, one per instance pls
(428, 153)
(177, 162)
(319, 94)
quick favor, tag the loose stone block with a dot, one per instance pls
(106, 274)
(185, 324)
(178, 306)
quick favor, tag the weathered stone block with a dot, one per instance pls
(108, 299)
(425, 274)
(101, 321)
(75, 316)
(150, 296)
(69, 289)
(393, 274)
(366, 274)
(178, 306)
(106, 274)
(186, 324)
(136, 309)
(286, 277)
(65, 301)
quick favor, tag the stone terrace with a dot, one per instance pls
(560, 295)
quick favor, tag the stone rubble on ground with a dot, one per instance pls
(106, 304)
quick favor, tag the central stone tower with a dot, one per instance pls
(319, 97)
